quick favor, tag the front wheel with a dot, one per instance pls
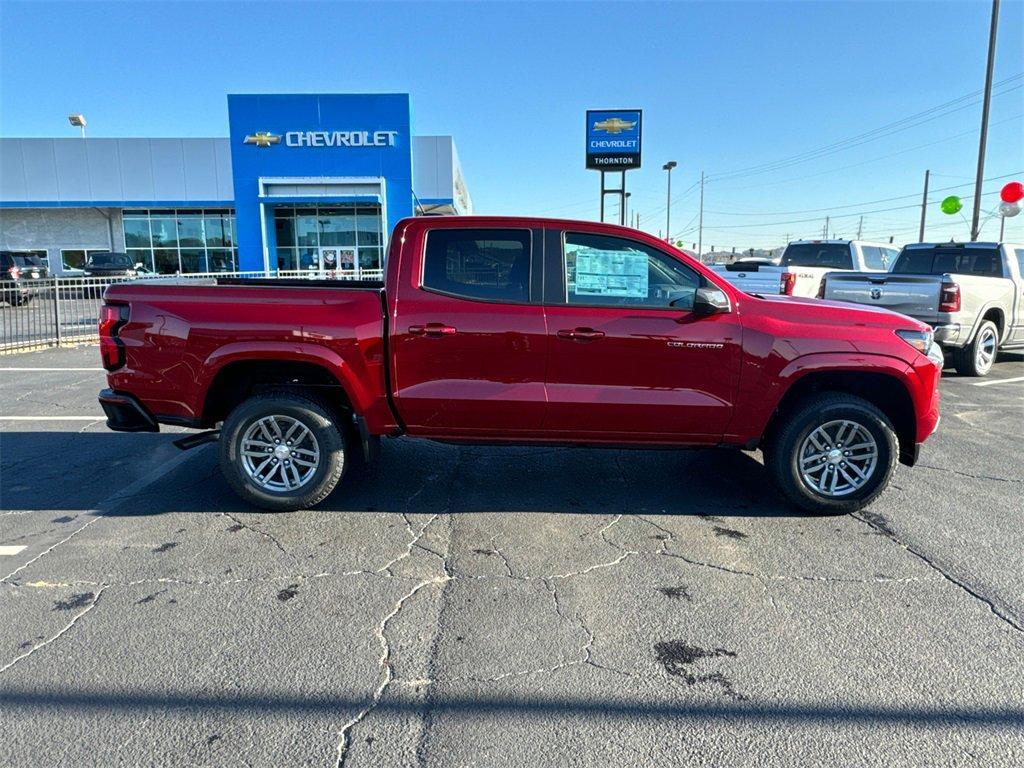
(282, 451)
(834, 454)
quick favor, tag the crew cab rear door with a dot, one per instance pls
(629, 360)
(469, 343)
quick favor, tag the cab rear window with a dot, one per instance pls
(937, 261)
(827, 255)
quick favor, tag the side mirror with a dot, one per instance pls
(711, 301)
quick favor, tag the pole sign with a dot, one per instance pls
(613, 139)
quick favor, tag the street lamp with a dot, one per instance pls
(668, 208)
(625, 207)
(78, 121)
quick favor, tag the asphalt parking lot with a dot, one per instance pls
(515, 607)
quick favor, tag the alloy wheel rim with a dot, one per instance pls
(838, 458)
(279, 453)
(986, 350)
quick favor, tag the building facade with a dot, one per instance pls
(303, 182)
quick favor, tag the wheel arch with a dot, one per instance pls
(883, 390)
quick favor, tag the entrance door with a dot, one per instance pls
(628, 358)
(470, 354)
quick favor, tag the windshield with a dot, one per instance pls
(110, 260)
(956, 259)
(27, 261)
(828, 255)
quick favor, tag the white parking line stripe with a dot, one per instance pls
(12, 549)
(52, 418)
(997, 381)
(51, 369)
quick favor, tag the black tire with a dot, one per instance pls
(312, 413)
(970, 361)
(782, 457)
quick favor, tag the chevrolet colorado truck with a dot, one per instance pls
(805, 263)
(971, 294)
(519, 331)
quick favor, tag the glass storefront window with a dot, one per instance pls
(220, 260)
(142, 256)
(190, 231)
(306, 228)
(303, 230)
(136, 233)
(189, 240)
(165, 233)
(166, 260)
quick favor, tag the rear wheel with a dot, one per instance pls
(834, 454)
(283, 451)
(977, 358)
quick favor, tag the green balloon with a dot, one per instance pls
(952, 205)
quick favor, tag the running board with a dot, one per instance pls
(194, 441)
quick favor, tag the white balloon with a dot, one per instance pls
(1009, 210)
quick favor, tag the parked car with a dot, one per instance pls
(111, 264)
(519, 331)
(804, 263)
(972, 294)
(20, 276)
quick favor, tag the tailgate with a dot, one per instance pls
(762, 280)
(913, 295)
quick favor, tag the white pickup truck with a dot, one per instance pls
(972, 294)
(805, 262)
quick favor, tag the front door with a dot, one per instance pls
(629, 360)
(470, 354)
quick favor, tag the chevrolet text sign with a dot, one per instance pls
(340, 138)
(613, 139)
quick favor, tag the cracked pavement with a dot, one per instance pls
(461, 606)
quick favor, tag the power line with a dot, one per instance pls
(897, 126)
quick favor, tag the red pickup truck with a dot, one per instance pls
(519, 331)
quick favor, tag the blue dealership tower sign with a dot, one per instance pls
(316, 151)
(613, 145)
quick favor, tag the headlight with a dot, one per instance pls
(919, 340)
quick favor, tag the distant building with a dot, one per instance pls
(299, 179)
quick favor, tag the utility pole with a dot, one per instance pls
(984, 119)
(668, 202)
(924, 206)
(700, 225)
(860, 226)
(825, 233)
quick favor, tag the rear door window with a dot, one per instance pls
(984, 262)
(874, 258)
(826, 255)
(481, 264)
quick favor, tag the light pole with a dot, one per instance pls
(984, 119)
(78, 121)
(625, 207)
(668, 208)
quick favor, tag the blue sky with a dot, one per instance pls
(724, 87)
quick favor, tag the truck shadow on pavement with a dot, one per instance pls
(411, 477)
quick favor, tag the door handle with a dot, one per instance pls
(581, 334)
(432, 329)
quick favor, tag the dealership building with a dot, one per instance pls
(303, 181)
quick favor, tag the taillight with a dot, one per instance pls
(788, 283)
(949, 297)
(821, 289)
(112, 319)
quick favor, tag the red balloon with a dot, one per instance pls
(1012, 192)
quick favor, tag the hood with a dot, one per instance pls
(838, 313)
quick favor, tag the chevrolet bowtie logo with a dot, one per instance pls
(262, 139)
(614, 125)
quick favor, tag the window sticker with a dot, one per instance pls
(611, 273)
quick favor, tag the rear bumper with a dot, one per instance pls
(125, 413)
(948, 334)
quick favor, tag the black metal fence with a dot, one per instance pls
(65, 310)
